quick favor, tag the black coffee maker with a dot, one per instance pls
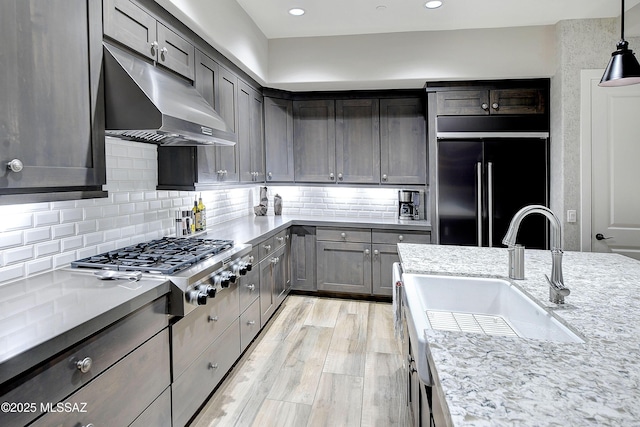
(408, 204)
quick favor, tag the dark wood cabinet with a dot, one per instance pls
(250, 134)
(491, 102)
(278, 139)
(51, 109)
(129, 24)
(403, 141)
(358, 141)
(314, 133)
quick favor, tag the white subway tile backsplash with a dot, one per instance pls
(46, 218)
(39, 266)
(37, 235)
(15, 255)
(11, 238)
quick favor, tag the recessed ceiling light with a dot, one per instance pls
(296, 11)
(381, 7)
(433, 4)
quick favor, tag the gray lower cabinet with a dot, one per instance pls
(250, 134)
(358, 261)
(193, 387)
(403, 141)
(51, 108)
(278, 139)
(358, 141)
(314, 133)
(135, 28)
(249, 324)
(272, 277)
(303, 258)
(344, 260)
(126, 368)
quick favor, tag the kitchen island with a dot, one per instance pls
(502, 381)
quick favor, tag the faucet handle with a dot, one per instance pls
(557, 291)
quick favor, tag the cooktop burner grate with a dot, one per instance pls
(165, 256)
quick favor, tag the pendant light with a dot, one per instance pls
(623, 68)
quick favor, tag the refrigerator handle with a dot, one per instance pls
(490, 200)
(479, 201)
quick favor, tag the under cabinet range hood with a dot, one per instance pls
(146, 104)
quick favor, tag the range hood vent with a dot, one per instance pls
(146, 104)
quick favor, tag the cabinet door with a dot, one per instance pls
(303, 258)
(517, 101)
(256, 151)
(344, 267)
(403, 141)
(176, 53)
(358, 141)
(280, 276)
(383, 258)
(463, 103)
(314, 134)
(51, 107)
(130, 25)
(207, 74)
(267, 301)
(227, 160)
(278, 138)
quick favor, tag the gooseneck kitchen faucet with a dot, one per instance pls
(557, 290)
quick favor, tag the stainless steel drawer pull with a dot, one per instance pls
(251, 322)
(376, 252)
(367, 251)
(213, 365)
(280, 239)
(84, 365)
(251, 287)
(15, 165)
(267, 247)
(343, 235)
(212, 318)
(401, 237)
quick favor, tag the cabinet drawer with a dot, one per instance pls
(197, 382)
(391, 237)
(122, 393)
(355, 235)
(281, 238)
(191, 335)
(266, 247)
(158, 414)
(249, 324)
(61, 376)
(249, 288)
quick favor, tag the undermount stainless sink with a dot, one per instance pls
(483, 305)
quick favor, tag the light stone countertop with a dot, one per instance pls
(501, 381)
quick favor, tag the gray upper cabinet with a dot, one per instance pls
(227, 157)
(51, 108)
(403, 141)
(314, 134)
(278, 138)
(207, 83)
(132, 26)
(358, 141)
(491, 102)
(250, 134)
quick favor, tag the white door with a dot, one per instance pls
(615, 169)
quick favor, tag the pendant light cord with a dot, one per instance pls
(622, 22)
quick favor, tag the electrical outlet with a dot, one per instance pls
(572, 215)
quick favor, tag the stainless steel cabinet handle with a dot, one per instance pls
(274, 260)
(280, 239)
(213, 365)
(343, 235)
(490, 200)
(270, 175)
(367, 251)
(84, 365)
(154, 47)
(267, 247)
(212, 318)
(251, 322)
(163, 54)
(495, 106)
(479, 202)
(251, 287)
(384, 177)
(485, 106)
(15, 165)
(332, 176)
(339, 176)
(376, 252)
(401, 237)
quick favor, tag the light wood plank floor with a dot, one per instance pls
(319, 362)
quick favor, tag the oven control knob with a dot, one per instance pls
(223, 279)
(240, 269)
(232, 277)
(197, 297)
(209, 290)
(249, 266)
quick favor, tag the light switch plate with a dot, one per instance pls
(571, 215)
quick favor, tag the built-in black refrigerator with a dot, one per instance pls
(483, 182)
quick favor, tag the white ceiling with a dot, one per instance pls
(345, 17)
